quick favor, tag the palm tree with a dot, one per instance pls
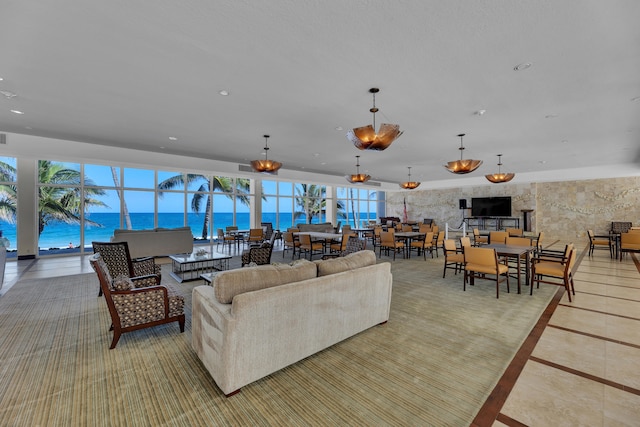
(64, 204)
(8, 195)
(311, 199)
(218, 183)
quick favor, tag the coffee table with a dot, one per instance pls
(186, 267)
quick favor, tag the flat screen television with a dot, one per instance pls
(491, 206)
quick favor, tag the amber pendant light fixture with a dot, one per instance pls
(462, 166)
(409, 185)
(499, 177)
(366, 138)
(266, 165)
(358, 178)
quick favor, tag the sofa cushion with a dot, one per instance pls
(228, 284)
(345, 263)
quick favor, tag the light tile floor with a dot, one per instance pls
(584, 369)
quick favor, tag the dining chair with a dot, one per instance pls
(225, 239)
(438, 241)
(498, 237)
(555, 271)
(599, 242)
(290, 243)
(453, 257)
(478, 239)
(388, 242)
(310, 246)
(514, 232)
(478, 262)
(629, 242)
(255, 236)
(423, 244)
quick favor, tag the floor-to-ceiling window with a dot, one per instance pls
(8, 205)
(357, 206)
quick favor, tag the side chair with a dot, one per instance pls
(555, 271)
(629, 242)
(453, 258)
(600, 242)
(482, 261)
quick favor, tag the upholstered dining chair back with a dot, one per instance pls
(498, 237)
(478, 262)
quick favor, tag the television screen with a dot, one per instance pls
(491, 206)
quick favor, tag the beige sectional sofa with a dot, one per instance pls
(255, 321)
(156, 242)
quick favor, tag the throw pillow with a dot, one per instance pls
(122, 283)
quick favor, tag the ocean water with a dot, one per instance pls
(61, 235)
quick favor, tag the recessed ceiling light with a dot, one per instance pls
(550, 116)
(1, 79)
(339, 128)
(522, 66)
(323, 163)
(162, 148)
(542, 162)
(480, 112)
(173, 138)
(16, 111)
(224, 92)
(316, 154)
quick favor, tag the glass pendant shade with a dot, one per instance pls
(499, 177)
(358, 178)
(266, 165)
(462, 166)
(409, 185)
(366, 138)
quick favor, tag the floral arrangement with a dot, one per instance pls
(200, 252)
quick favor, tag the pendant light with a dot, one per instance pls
(266, 165)
(409, 185)
(462, 166)
(499, 177)
(358, 178)
(366, 138)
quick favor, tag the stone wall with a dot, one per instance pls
(563, 210)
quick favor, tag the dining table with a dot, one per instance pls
(516, 251)
(321, 236)
(408, 237)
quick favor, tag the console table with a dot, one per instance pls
(492, 223)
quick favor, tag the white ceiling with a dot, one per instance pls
(132, 74)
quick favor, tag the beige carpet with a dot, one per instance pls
(433, 363)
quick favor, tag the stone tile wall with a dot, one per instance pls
(564, 210)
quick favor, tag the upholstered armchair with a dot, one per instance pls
(259, 255)
(116, 257)
(133, 304)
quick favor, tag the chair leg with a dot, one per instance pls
(116, 337)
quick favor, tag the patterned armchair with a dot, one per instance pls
(259, 255)
(133, 304)
(119, 262)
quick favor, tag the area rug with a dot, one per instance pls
(434, 363)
